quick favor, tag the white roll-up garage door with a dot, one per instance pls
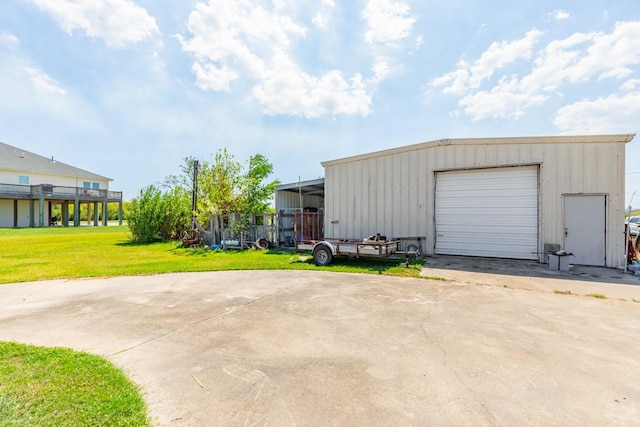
(488, 212)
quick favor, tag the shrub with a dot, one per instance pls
(155, 215)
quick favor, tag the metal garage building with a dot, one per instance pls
(493, 197)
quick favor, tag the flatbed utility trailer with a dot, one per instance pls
(325, 251)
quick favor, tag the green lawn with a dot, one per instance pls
(59, 252)
(60, 387)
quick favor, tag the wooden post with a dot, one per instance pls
(96, 213)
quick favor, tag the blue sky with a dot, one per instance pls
(127, 89)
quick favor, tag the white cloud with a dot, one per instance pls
(630, 84)
(42, 82)
(7, 38)
(577, 59)
(320, 21)
(293, 92)
(610, 114)
(244, 42)
(236, 39)
(380, 70)
(387, 21)
(616, 73)
(559, 15)
(504, 100)
(497, 56)
(323, 14)
(619, 49)
(419, 42)
(118, 22)
(501, 54)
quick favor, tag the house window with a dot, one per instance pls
(95, 185)
(23, 179)
(86, 184)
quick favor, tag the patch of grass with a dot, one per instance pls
(60, 387)
(558, 291)
(32, 254)
(599, 296)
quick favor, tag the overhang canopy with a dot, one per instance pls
(314, 187)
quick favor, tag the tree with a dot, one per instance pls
(223, 187)
(218, 184)
(185, 179)
(156, 215)
(255, 193)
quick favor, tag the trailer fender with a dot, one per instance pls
(323, 253)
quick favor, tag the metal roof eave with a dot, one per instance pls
(614, 138)
(310, 187)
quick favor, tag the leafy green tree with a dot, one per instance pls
(156, 215)
(218, 184)
(185, 179)
(126, 207)
(255, 193)
(113, 210)
(224, 187)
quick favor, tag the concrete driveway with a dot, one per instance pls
(318, 348)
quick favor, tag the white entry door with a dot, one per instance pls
(584, 229)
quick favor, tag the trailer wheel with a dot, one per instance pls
(322, 255)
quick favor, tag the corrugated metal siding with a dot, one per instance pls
(394, 193)
(290, 200)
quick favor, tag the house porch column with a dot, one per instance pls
(76, 212)
(41, 211)
(32, 213)
(96, 214)
(105, 213)
(65, 213)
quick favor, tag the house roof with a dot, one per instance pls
(17, 159)
(559, 139)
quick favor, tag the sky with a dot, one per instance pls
(128, 89)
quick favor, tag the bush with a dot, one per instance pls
(155, 215)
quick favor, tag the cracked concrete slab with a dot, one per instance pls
(319, 348)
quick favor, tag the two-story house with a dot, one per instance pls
(30, 185)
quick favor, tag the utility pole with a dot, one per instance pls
(194, 194)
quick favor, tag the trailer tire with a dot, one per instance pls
(322, 255)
